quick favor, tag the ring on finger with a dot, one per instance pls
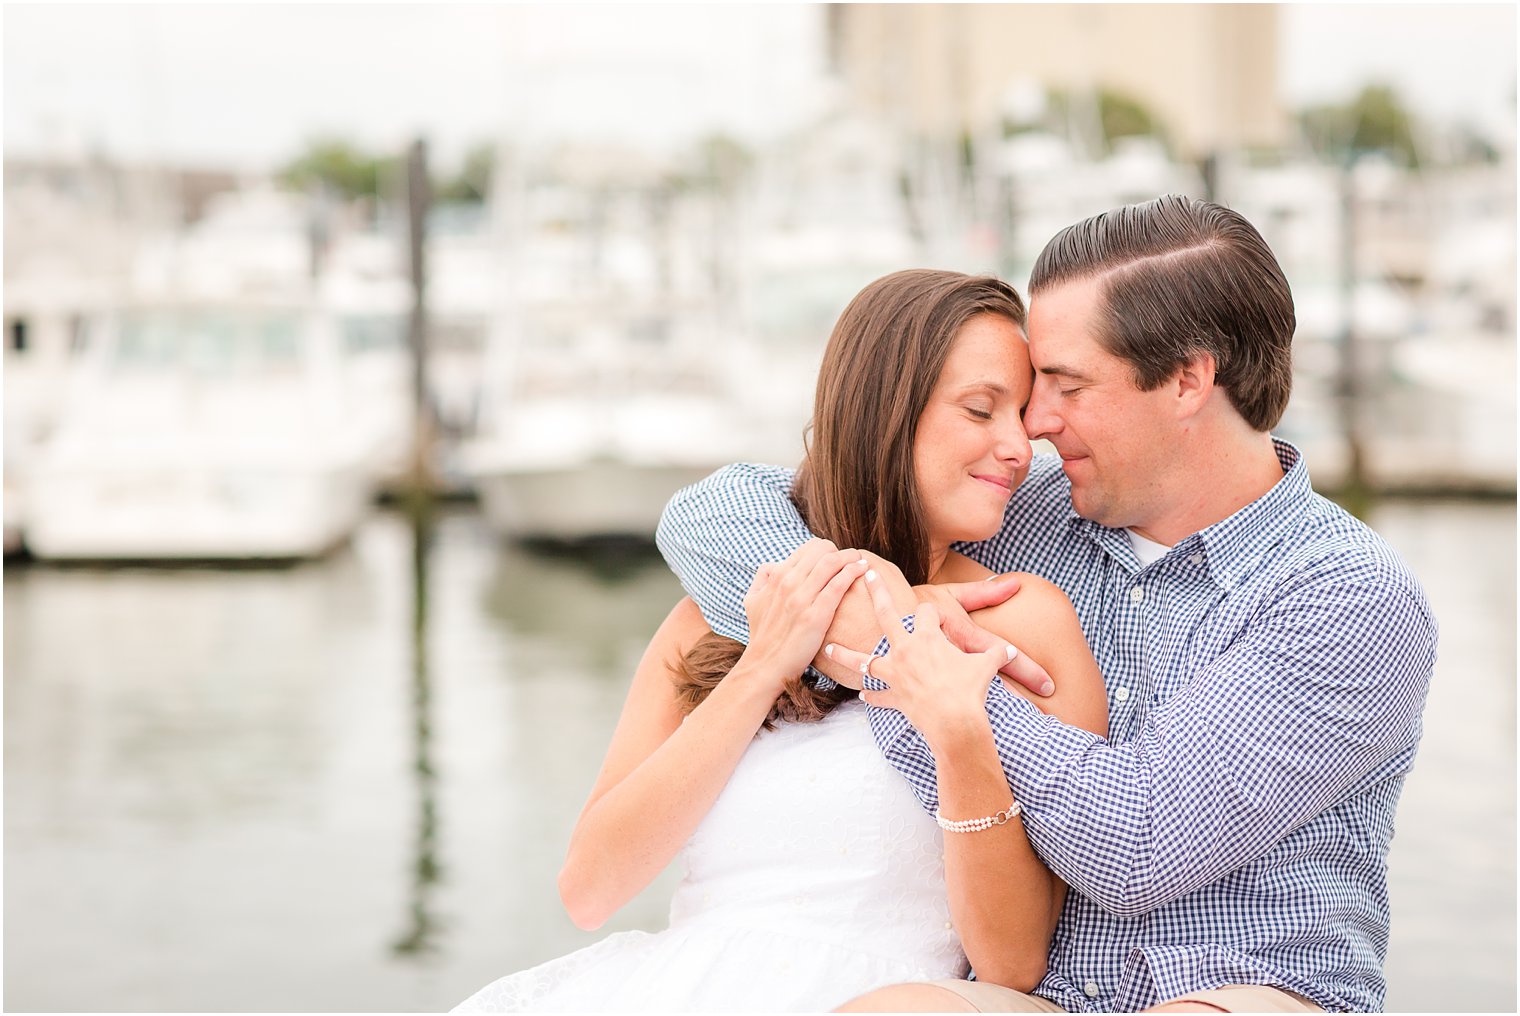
(865, 668)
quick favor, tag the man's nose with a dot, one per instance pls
(1040, 419)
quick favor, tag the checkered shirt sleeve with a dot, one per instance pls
(716, 533)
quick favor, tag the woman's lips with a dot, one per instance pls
(1002, 483)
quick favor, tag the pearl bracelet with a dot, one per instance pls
(976, 825)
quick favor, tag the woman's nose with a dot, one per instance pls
(1013, 444)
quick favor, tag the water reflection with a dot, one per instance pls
(420, 936)
(556, 597)
(228, 790)
(188, 687)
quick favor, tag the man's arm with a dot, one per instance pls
(1322, 690)
(717, 532)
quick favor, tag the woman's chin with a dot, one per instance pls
(972, 534)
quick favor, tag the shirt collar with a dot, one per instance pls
(1233, 547)
(1236, 546)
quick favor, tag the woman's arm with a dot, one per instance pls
(662, 774)
(1003, 900)
(1005, 903)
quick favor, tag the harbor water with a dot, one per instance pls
(348, 784)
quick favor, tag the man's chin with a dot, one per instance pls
(1089, 507)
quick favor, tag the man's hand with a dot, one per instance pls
(955, 601)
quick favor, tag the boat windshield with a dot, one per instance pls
(209, 343)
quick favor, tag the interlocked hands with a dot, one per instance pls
(939, 687)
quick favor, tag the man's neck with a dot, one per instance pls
(1216, 482)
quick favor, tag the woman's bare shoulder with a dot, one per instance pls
(686, 615)
(682, 626)
(1034, 591)
(1039, 604)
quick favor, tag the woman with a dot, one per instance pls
(812, 874)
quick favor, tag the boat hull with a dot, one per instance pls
(192, 516)
(593, 501)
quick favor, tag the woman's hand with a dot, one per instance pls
(790, 606)
(939, 688)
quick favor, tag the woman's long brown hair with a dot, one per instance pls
(856, 485)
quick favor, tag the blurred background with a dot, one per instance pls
(351, 351)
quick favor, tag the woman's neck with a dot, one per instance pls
(937, 557)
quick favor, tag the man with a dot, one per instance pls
(1266, 655)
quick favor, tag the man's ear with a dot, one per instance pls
(1195, 383)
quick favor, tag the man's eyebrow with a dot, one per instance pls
(1061, 370)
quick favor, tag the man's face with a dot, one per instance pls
(1113, 437)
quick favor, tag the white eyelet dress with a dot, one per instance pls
(816, 877)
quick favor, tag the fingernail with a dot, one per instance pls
(871, 575)
(1012, 652)
(992, 578)
(1047, 688)
(828, 650)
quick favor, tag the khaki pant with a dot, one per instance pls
(1231, 998)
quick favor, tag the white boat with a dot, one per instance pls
(203, 430)
(594, 418)
(46, 326)
(574, 469)
(611, 364)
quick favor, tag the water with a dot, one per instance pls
(261, 790)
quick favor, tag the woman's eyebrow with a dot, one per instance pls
(995, 387)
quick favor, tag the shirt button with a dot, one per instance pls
(1090, 989)
(1136, 594)
(1121, 694)
(1196, 559)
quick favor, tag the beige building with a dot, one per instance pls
(1208, 72)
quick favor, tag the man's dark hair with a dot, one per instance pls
(1178, 277)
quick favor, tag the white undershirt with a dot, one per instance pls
(1146, 550)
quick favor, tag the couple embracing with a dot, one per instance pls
(1134, 718)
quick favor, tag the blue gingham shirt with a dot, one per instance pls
(1265, 683)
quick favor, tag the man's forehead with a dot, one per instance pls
(1063, 332)
(1061, 318)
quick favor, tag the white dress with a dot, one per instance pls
(816, 877)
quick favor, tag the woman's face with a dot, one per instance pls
(971, 449)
